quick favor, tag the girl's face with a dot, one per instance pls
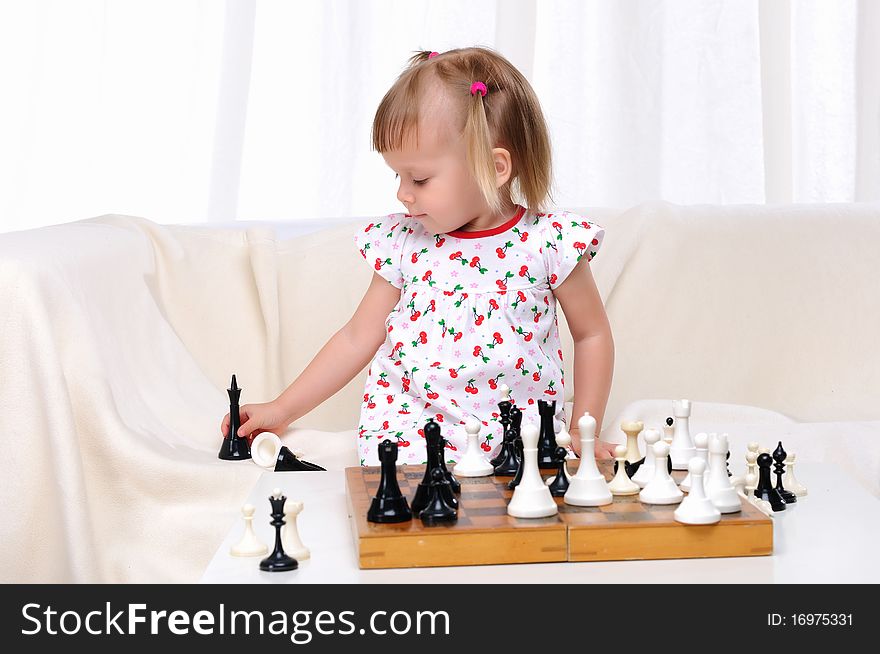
(436, 186)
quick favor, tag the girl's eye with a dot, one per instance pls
(419, 182)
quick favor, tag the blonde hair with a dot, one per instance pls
(509, 117)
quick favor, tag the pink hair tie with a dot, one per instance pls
(479, 86)
(433, 54)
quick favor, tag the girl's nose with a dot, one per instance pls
(405, 196)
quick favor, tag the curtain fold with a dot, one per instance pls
(192, 111)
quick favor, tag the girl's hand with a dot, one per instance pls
(257, 418)
(602, 449)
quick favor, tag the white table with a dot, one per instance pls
(829, 536)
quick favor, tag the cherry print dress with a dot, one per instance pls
(476, 311)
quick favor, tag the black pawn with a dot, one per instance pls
(287, 461)
(438, 510)
(669, 421)
(389, 505)
(504, 409)
(632, 468)
(560, 482)
(510, 464)
(765, 490)
(779, 455)
(518, 448)
(278, 561)
(547, 435)
(434, 448)
(234, 447)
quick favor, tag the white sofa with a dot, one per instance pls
(120, 335)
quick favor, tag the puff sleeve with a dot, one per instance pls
(570, 238)
(381, 243)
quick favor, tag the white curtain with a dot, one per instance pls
(209, 111)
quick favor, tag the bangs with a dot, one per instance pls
(397, 119)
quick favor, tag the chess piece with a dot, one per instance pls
(558, 485)
(765, 490)
(661, 489)
(588, 486)
(434, 447)
(278, 560)
(632, 429)
(696, 508)
(547, 437)
(682, 449)
(518, 445)
(531, 498)
(234, 447)
(438, 510)
(718, 486)
(473, 463)
(504, 407)
(249, 545)
(669, 431)
(622, 484)
(389, 505)
(561, 435)
(268, 452)
(779, 457)
(791, 483)
(645, 472)
(701, 444)
(752, 462)
(508, 466)
(290, 533)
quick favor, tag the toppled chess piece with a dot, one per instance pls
(234, 447)
(389, 505)
(268, 452)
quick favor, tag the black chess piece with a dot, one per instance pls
(779, 455)
(518, 448)
(632, 468)
(278, 561)
(438, 509)
(234, 447)
(287, 461)
(435, 450)
(510, 464)
(765, 490)
(669, 421)
(560, 482)
(454, 484)
(547, 435)
(727, 462)
(389, 505)
(504, 408)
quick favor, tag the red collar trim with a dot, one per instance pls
(457, 233)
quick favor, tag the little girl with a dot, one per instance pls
(466, 282)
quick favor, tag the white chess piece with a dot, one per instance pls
(701, 444)
(531, 498)
(668, 434)
(751, 461)
(682, 449)
(588, 486)
(474, 462)
(661, 489)
(632, 429)
(645, 473)
(789, 481)
(718, 486)
(249, 545)
(622, 484)
(265, 449)
(505, 392)
(696, 508)
(290, 540)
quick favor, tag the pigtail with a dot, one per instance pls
(478, 144)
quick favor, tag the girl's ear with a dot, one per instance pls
(503, 166)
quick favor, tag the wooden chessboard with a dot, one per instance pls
(485, 534)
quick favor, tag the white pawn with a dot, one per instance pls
(668, 434)
(751, 461)
(789, 481)
(696, 508)
(661, 489)
(531, 498)
(718, 487)
(622, 484)
(632, 429)
(474, 462)
(701, 442)
(505, 392)
(290, 540)
(588, 486)
(645, 473)
(249, 545)
(682, 449)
